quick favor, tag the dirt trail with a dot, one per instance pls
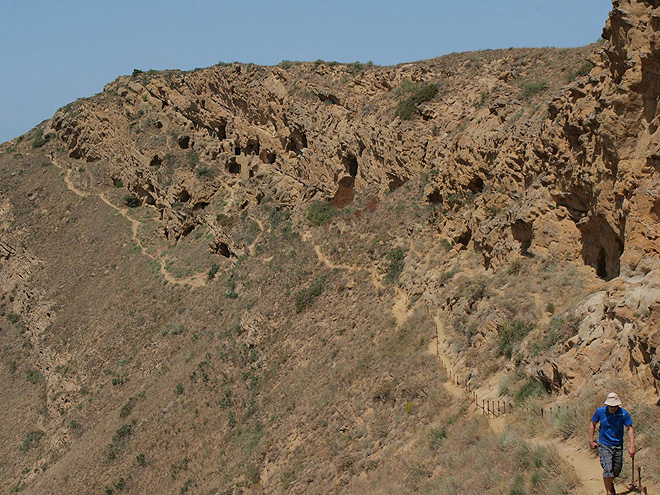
(584, 462)
(67, 177)
(197, 280)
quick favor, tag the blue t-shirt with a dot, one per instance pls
(611, 425)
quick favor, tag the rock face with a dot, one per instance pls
(499, 161)
(579, 182)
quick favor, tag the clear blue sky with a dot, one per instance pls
(55, 51)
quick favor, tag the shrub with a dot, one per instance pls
(395, 256)
(127, 408)
(421, 93)
(511, 334)
(12, 317)
(140, 460)
(355, 67)
(320, 212)
(193, 158)
(204, 172)
(212, 271)
(436, 437)
(561, 328)
(531, 88)
(39, 139)
(306, 296)
(131, 201)
(530, 388)
(33, 376)
(286, 64)
(178, 390)
(583, 70)
(31, 439)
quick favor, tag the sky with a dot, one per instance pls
(55, 51)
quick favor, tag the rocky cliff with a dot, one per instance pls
(509, 194)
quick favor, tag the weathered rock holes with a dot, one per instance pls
(464, 238)
(268, 157)
(476, 185)
(223, 249)
(183, 196)
(394, 182)
(156, 161)
(183, 142)
(351, 165)
(252, 147)
(297, 141)
(434, 197)
(200, 205)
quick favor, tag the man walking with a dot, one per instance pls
(612, 418)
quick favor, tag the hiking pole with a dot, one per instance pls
(632, 474)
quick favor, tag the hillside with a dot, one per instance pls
(247, 279)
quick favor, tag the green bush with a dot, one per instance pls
(286, 64)
(407, 108)
(530, 388)
(204, 172)
(436, 437)
(511, 334)
(355, 67)
(212, 271)
(131, 201)
(584, 70)
(531, 88)
(31, 439)
(305, 297)
(396, 257)
(561, 328)
(33, 376)
(193, 158)
(320, 212)
(39, 139)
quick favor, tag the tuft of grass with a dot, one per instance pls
(531, 88)
(511, 334)
(583, 70)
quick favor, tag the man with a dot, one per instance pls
(612, 418)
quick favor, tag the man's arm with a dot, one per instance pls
(592, 429)
(631, 437)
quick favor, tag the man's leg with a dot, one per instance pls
(606, 461)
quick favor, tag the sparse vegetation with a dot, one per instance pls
(395, 257)
(583, 70)
(131, 201)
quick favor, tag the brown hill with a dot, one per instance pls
(230, 280)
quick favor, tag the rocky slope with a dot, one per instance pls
(157, 255)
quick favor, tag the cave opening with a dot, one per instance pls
(602, 247)
(434, 197)
(351, 165)
(233, 167)
(523, 232)
(476, 185)
(183, 196)
(183, 142)
(156, 161)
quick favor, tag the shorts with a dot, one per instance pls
(611, 458)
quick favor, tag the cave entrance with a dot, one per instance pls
(523, 233)
(602, 247)
(351, 165)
